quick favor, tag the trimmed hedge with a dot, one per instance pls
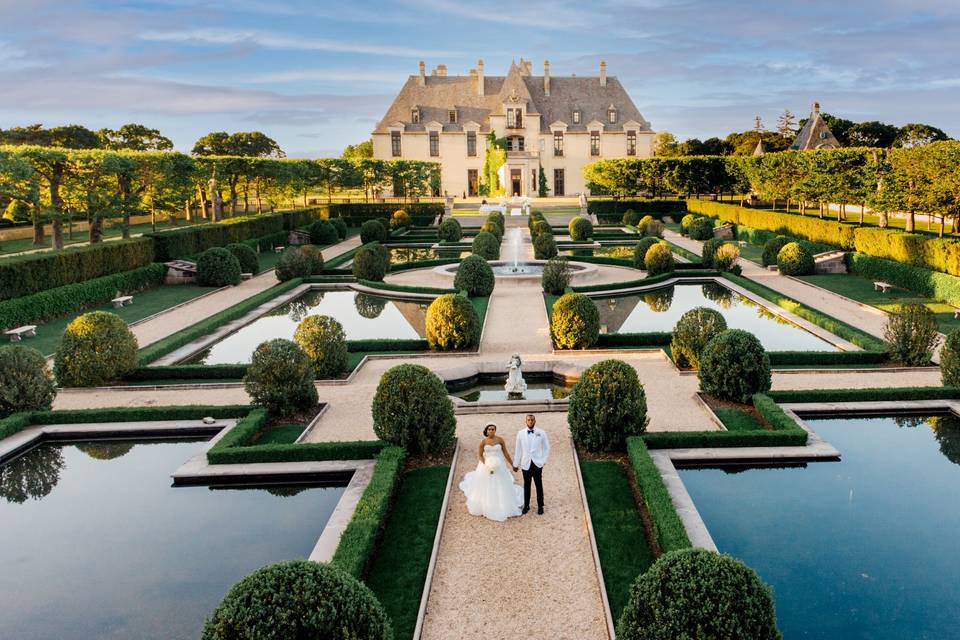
(544, 247)
(475, 276)
(794, 260)
(611, 211)
(486, 245)
(218, 267)
(97, 347)
(574, 322)
(734, 366)
(323, 232)
(667, 526)
(607, 405)
(580, 228)
(422, 214)
(280, 377)
(450, 231)
(26, 382)
(453, 323)
(862, 395)
(249, 261)
(939, 286)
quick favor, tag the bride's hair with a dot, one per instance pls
(488, 427)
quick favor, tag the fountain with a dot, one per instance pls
(514, 267)
(516, 385)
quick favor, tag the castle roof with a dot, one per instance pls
(815, 134)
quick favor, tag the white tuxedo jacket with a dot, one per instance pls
(531, 448)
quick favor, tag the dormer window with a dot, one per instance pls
(452, 116)
(415, 116)
(514, 118)
(612, 115)
(576, 116)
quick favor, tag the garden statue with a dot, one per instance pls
(515, 384)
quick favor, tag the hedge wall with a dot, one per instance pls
(608, 211)
(421, 214)
(810, 228)
(939, 286)
(866, 395)
(73, 298)
(760, 237)
(667, 526)
(32, 273)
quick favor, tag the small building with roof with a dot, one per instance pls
(815, 133)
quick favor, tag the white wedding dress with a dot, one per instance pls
(490, 490)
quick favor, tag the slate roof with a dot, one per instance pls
(815, 133)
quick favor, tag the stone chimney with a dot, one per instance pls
(816, 107)
(442, 70)
(422, 80)
(480, 77)
(546, 77)
(603, 73)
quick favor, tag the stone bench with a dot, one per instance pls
(246, 276)
(279, 249)
(121, 301)
(882, 287)
(16, 335)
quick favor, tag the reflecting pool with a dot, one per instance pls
(622, 251)
(659, 310)
(864, 548)
(404, 255)
(494, 392)
(96, 543)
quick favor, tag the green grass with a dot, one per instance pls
(621, 539)
(280, 434)
(397, 575)
(738, 420)
(109, 231)
(861, 289)
(752, 252)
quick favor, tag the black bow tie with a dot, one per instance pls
(529, 430)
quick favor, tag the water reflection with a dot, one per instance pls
(659, 300)
(105, 450)
(494, 392)
(369, 306)
(31, 476)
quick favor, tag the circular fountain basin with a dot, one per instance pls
(527, 271)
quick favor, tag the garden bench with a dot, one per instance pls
(882, 287)
(279, 249)
(956, 313)
(16, 335)
(773, 267)
(121, 301)
(246, 276)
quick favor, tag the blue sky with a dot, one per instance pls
(317, 75)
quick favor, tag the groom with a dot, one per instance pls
(530, 454)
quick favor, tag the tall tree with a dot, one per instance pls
(786, 124)
(134, 137)
(358, 151)
(872, 134)
(916, 135)
(665, 145)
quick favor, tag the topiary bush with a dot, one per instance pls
(399, 219)
(642, 225)
(341, 227)
(685, 223)
(911, 335)
(556, 276)
(771, 249)
(496, 219)
(491, 227)
(709, 252)
(544, 246)
(693, 331)
(474, 276)
(373, 231)
(450, 231)
(659, 259)
(542, 227)
(734, 366)
(217, 267)
(411, 409)
(574, 322)
(246, 256)
(607, 405)
(949, 360)
(322, 232)
(325, 342)
(630, 217)
(452, 324)
(371, 262)
(280, 378)
(26, 383)
(486, 246)
(97, 347)
(794, 260)
(726, 256)
(640, 252)
(654, 229)
(293, 263)
(695, 593)
(298, 599)
(700, 229)
(580, 228)
(315, 256)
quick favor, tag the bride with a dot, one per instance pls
(490, 489)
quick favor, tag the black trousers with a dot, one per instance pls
(534, 473)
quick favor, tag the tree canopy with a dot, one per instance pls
(246, 144)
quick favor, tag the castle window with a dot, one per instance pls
(611, 115)
(514, 118)
(415, 116)
(395, 143)
(434, 144)
(515, 143)
(576, 117)
(558, 143)
(631, 143)
(471, 143)
(594, 143)
(452, 116)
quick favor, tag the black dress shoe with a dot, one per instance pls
(539, 511)
(525, 510)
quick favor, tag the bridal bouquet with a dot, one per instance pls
(492, 464)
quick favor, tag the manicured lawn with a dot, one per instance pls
(861, 289)
(621, 539)
(280, 434)
(400, 568)
(738, 420)
(752, 252)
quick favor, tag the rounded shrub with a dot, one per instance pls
(535, 217)
(708, 252)
(630, 217)
(246, 256)
(659, 259)
(452, 323)
(325, 342)
(493, 229)
(450, 231)
(496, 219)
(322, 232)
(26, 383)
(556, 276)
(411, 409)
(315, 256)
(370, 262)
(486, 246)
(399, 219)
(734, 366)
(280, 378)
(911, 335)
(541, 227)
(580, 228)
(544, 247)
(293, 263)
(217, 267)
(695, 593)
(97, 347)
(373, 231)
(700, 229)
(685, 223)
(654, 229)
(607, 405)
(474, 276)
(369, 306)
(640, 252)
(341, 226)
(574, 322)
(726, 256)
(693, 331)
(771, 249)
(949, 360)
(642, 225)
(298, 599)
(794, 260)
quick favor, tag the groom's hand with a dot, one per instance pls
(515, 469)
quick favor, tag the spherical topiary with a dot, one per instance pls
(491, 227)
(486, 246)
(911, 335)
(452, 323)
(574, 322)
(322, 232)
(369, 306)
(734, 366)
(630, 217)
(280, 378)
(640, 252)
(26, 383)
(695, 593)
(411, 409)
(685, 223)
(556, 276)
(293, 263)
(369, 262)
(544, 247)
(580, 228)
(794, 260)
(607, 405)
(249, 262)
(709, 252)
(700, 229)
(315, 256)
(399, 219)
(771, 248)
(450, 231)
(217, 267)
(496, 219)
(535, 217)
(949, 360)
(298, 599)
(725, 258)
(654, 229)
(642, 225)
(693, 331)
(541, 227)
(325, 342)
(659, 259)
(341, 226)
(474, 276)
(373, 231)
(96, 348)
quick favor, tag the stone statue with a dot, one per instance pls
(515, 382)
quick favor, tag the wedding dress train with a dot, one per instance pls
(490, 490)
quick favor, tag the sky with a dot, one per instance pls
(317, 75)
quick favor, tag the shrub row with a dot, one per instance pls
(814, 229)
(694, 272)
(939, 286)
(667, 526)
(72, 298)
(760, 237)
(421, 214)
(611, 211)
(187, 372)
(646, 339)
(865, 395)
(827, 358)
